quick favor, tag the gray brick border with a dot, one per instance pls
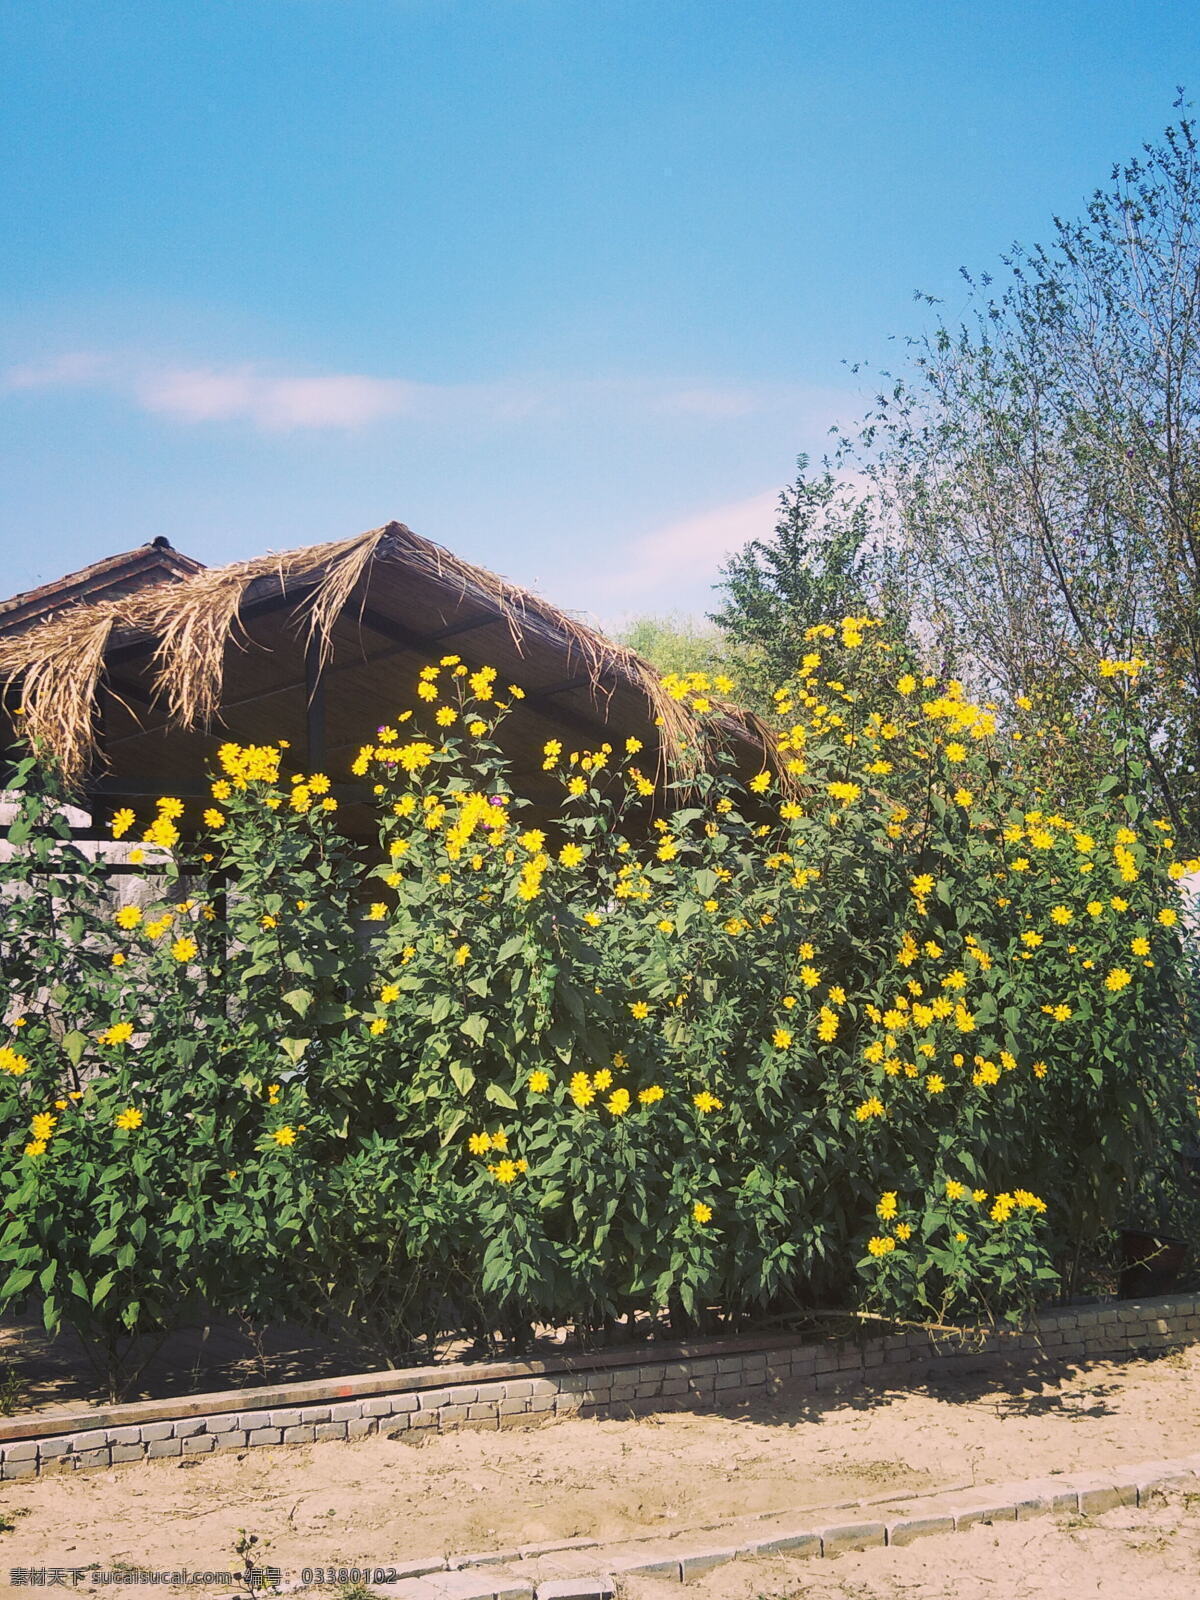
(622, 1382)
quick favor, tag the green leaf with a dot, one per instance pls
(475, 1027)
(17, 1281)
(462, 1076)
(74, 1044)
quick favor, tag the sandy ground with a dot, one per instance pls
(1152, 1553)
(381, 1500)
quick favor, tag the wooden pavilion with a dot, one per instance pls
(133, 671)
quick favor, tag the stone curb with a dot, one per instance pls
(583, 1569)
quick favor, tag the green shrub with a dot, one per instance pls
(549, 1068)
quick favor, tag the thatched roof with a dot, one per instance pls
(150, 564)
(132, 693)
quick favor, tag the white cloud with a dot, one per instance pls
(204, 393)
(76, 370)
(677, 562)
(346, 400)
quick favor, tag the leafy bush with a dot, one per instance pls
(867, 1024)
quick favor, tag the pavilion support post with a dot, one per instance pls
(314, 692)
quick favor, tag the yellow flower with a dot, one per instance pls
(284, 1136)
(640, 1010)
(955, 1190)
(505, 1171)
(35, 1147)
(170, 808)
(1167, 917)
(651, 1094)
(906, 683)
(935, 1083)
(618, 1102)
(705, 1102)
(602, 1079)
(378, 1025)
(570, 855)
(479, 1143)
(888, 1206)
(1117, 980)
(581, 1091)
(1140, 946)
(214, 818)
(11, 1062)
(881, 1246)
(903, 1232)
(119, 1033)
(477, 729)
(701, 1213)
(1061, 915)
(122, 821)
(128, 917)
(873, 1107)
(963, 798)
(184, 949)
(129, 1119)
(577, 786)
(960, 1237)
(781, 1038)
(446, 716)
(462, 955)
(760, 782)
(539, 1081)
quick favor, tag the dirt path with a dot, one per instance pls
(380, 1500)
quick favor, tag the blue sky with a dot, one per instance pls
(564, 286)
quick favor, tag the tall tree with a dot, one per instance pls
(821, 563)
(1042, 467)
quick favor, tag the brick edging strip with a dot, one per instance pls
(498, 1576)
(620, 1383)
(359, 1385)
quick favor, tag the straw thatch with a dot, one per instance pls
(60, 666)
